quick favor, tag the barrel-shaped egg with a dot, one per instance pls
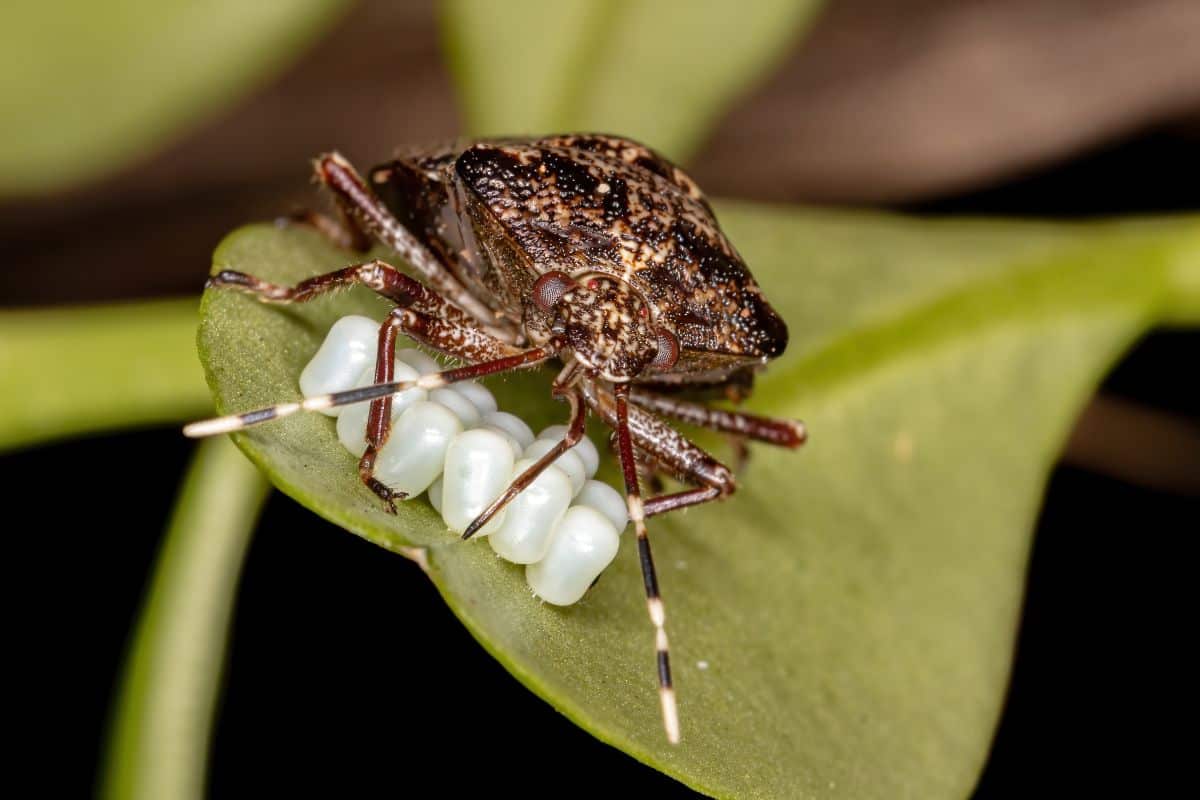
(568, 462)
(419, 361)
(583, 544)
(477, 393)
(605, 499)
(414, 454)
(584, 450)
(352, 424)
(477, 469)
(454, 443)
(511, 424)
(348, 349)
(532, 515)
(463, 408)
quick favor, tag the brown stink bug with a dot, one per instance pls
(589, 250)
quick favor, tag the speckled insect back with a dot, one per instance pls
(587, 250)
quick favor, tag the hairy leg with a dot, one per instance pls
(371, 215)
(381, 277)
(780, 432)
(564, 385)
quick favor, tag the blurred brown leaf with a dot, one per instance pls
(883, 103)
(890, 102)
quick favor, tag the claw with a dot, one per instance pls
(387, 495)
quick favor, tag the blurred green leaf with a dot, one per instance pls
(843, 626)
(660, 71)
(65, 371)
(87, 87)
(158, 744)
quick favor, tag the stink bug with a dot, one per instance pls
(588, 250)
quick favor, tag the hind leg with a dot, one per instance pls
(373, 217)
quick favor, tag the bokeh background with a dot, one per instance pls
(1057, 108)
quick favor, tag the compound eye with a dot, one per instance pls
(550, 287)
(668, 351)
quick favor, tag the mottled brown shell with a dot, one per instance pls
(588, 203)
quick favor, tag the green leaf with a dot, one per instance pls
(659, 71)
(87, 88)
(844, 625)
(158, 745)
(65, 371)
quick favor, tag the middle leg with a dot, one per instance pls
(672, 453)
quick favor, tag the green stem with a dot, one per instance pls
(158, 743)
(65, 371)
(1183, 290)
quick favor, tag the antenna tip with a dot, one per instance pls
(211, 427)
(670, 714)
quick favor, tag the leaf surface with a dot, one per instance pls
(843, 626)
(88, 87)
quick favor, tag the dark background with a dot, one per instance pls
(347, 673)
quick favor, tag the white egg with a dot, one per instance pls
(414, 453)
(568, 462)
(588, 454)
(511, 424)
(461, 407)
(419, 361)
(348, 349)
(435, 494)
(583, 544)
(583, 448)
(455, 443)
(483, 400)
(513, 443)
(478, 468)
(530, 518)
(352, 424)
(605, 499)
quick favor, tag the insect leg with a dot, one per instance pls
(650, 471)
(672, 452)
(379, 419)
(654, 603)
(377, 275)
(459, 340)
(364, 207)
(343, 231)
(236, 422)
(781, 432)
(571, 438)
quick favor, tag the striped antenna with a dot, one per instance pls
(435, 380)
(654, 603)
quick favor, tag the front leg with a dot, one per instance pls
(456, 339)
(379, 276)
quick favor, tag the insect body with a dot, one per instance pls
(588, 250)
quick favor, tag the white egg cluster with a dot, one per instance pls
(456, 445)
